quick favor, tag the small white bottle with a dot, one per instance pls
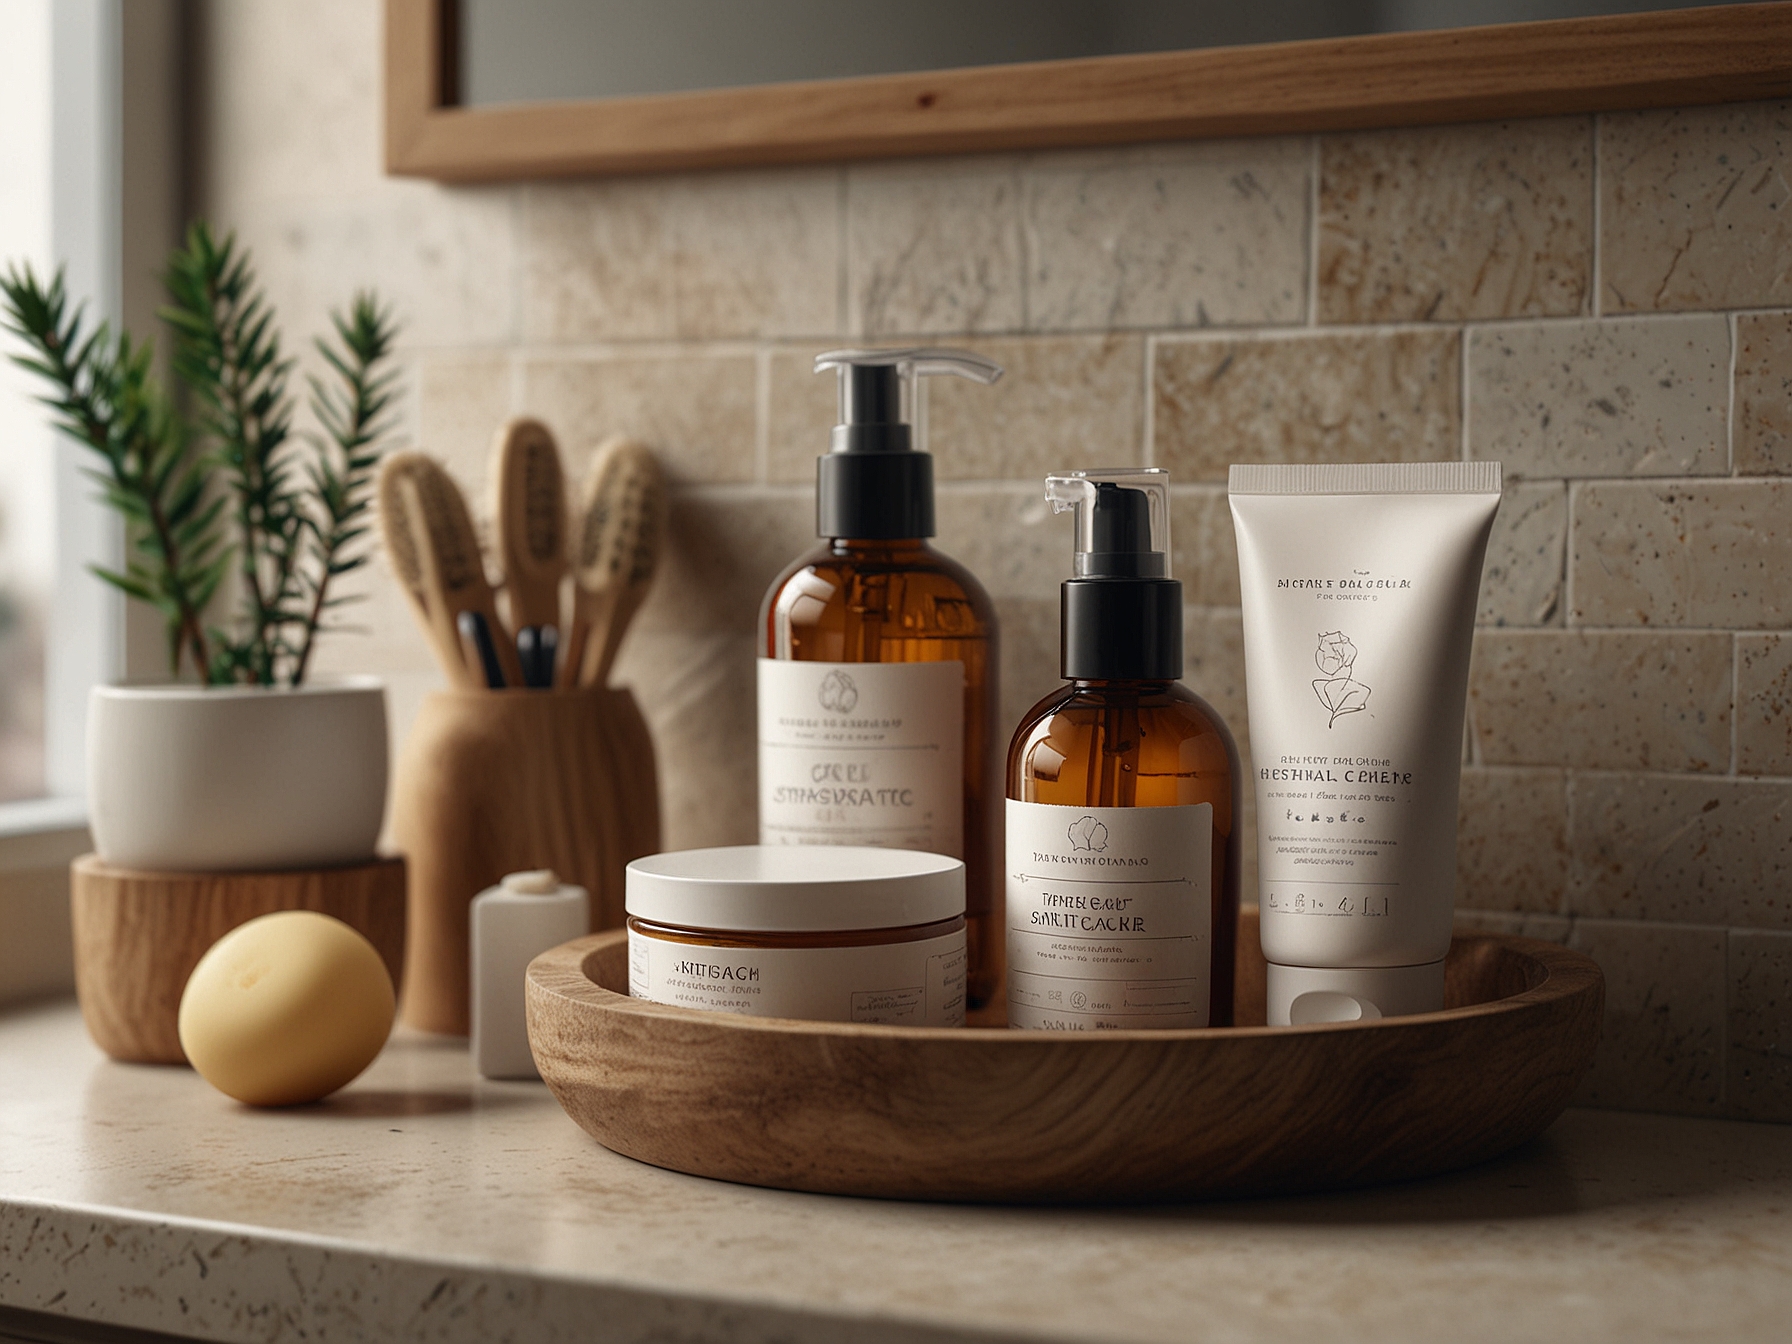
(513, 923)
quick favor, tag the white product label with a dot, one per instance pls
(1110, 916)
(862, 754)
(918, 984)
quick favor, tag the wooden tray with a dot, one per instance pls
(1117, 1116)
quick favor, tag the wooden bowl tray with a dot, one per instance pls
(1045, 1117)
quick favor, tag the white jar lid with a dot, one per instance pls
(795, 888)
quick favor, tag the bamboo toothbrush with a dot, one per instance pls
(621, 527)
(400, 529)
(529, 520)
(450, 565)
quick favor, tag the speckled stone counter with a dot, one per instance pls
(424, 1203)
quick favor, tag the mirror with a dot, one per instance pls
(517, 51)
(484, 90)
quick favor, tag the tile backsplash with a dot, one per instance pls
(1599, 302)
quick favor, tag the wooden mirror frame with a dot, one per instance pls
(1733, 53)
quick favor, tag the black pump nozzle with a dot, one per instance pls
(1122, 613)
(1120, 536)
(872, 485)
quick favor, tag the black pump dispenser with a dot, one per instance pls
(1122, 612)
(873, 485)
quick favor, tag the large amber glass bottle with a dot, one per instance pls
(1123, 788)
(878, 670)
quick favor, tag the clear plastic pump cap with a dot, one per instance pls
(1122, 520)
(865, 399)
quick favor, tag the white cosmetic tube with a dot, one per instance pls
(1360, 584)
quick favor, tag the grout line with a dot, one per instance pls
(1571, 886)
(1568, 622)
(1735, 705)
(1148, 421)
(762, 415)
(1595, 307)
(1462, 403)
(519, 234)
(843, 264)
(1723, 1034)
(1023, 244)
(1730, 418)
(1313, 168)
(683, 347)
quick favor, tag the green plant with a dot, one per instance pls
(226, 485)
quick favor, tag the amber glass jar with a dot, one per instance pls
(840, 933)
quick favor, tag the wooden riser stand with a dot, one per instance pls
(138, 935)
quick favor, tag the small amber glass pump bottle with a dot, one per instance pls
(878, 669)
(1122, 824)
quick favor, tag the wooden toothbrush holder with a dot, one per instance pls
(496, 782)
(139, 934)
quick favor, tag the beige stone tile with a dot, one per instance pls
(802, 408)
(1601, 700)
(1762, 434)
(1703, 553)
(1687, 851)
(1444, 223)
(1062, 402)
(1007, 537)
(1329, 398)
(1663, 1044)
(1517, 924)
(696, 689)
(292, 101)
(934, 247)
(597, 261)
(1512, 840)
(758, 253)
(1632, 398)
(1191, 236)
(1759, 1074)
(1764, 704)
(724, 550)
(462, 401)
(1521, 580)
(697, 412)
(1694, 208)
(1204, 546)
(440, 260)
(695, 257)
(1030, 666)
(1213, 668)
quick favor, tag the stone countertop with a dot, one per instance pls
(423, 1202)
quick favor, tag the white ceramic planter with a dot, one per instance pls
(215, 779)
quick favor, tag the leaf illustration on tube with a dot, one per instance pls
(1088, 833)
(1337, 690)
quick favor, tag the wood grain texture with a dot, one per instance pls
(1732, 53)
(139, 934)
(496, 782)
(1047, 1117)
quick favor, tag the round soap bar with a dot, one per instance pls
(286, 1008)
